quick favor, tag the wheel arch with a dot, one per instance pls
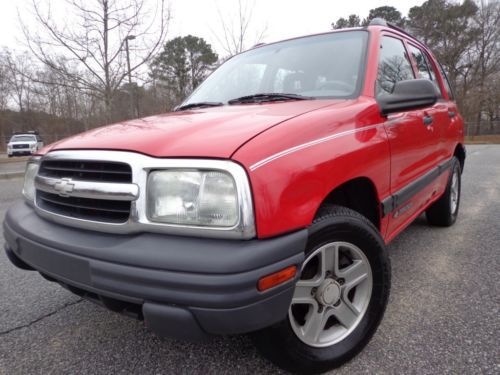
(459, 153)
(360, 195)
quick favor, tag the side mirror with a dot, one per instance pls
(411, 94)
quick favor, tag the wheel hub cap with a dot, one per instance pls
(328, 293)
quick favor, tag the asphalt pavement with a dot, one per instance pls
(11, 168)
(443, 315)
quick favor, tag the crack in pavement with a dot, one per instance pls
(6, 332)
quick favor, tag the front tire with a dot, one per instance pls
(339, 300)
(444, 211)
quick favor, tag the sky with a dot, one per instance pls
(280, 18)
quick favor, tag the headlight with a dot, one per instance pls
(193, 197)
(29, 179)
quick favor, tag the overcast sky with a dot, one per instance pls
(284, 18)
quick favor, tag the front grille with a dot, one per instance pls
(21, 146)
(101, 210)
(108, 211)
(87, 170)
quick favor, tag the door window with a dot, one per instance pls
(447, 85)
(424, 66)
(394, 65)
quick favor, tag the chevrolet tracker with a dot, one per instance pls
(263, 204)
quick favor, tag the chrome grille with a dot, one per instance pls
(87, 170)
(100, 210)
(21, 146)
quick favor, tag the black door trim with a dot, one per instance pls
(398, 199)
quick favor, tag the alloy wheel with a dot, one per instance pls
(332, 295)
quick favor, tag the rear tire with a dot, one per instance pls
(444, 211)
(339, 300)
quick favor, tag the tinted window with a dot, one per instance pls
(447, 85)
(424, 66)
(431, 68)
(394, 65)
(321, 66)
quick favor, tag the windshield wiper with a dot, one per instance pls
(198, 105)
(268, 97)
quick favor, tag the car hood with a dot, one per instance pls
(211, 132)
(21, 143)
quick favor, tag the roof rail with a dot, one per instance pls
(381, 22)
(400, 29)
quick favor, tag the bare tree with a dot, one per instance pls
(486, 49)
(85, 48)
(236, 33)
(4, 82)
(18, 67)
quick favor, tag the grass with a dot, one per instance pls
(482, 139)
(5, 159)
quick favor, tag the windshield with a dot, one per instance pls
(320, 66)
(23, 138)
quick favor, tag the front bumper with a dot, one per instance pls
(15, 152)
(183, 287)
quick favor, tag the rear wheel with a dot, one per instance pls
(444, 211)
(339, 300)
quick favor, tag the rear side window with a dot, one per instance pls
(394, 65)
(424, 66)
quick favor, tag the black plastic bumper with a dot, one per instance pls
(20, 153)
(183, 287)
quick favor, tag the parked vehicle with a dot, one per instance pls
(24, 144)
(264, 204)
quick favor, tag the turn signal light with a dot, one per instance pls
(270, 281)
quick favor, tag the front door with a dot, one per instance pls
(413, 138)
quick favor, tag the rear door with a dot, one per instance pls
(413, 138)
(455, 126)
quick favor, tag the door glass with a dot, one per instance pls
(424, 66)
(394, 65)
(446, 83)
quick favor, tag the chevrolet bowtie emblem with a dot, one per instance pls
(64, 187)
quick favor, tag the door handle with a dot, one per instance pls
(451, 114)
(427, 120)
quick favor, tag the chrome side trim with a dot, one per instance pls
(138, 221)
(67, 187)
(309, 144)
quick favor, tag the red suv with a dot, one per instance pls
(263, 204)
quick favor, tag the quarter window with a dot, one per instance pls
(394, 65)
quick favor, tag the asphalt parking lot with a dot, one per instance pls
(443, 315)
(12, 167)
